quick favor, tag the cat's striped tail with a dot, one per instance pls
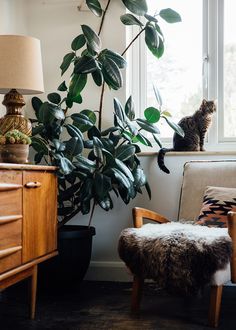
(160, 159)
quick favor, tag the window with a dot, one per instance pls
(199, 62)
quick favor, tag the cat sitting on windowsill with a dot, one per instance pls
(195, 128)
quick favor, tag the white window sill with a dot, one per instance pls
(189, 153)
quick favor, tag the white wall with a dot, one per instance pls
(56, 23)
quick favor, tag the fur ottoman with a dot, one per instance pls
(181, 258)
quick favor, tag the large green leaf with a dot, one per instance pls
(74, 146)
(82, 121)
(65, 165)
(151, 38)
(112, 74)
(85, 64)
(40, 145)
(119, 109)
(139, 177)
(129, 19)
(175, 127)
(97, 148)
(138, 7)
(78, 42)
(54, 98)
(102, 184)
(151, 18)
(77, 84)
(67, 59)
(129, 108)
(117, 58)
(158, 141)
(85, 163)
(124, 169)
(36, 103)
(142, 139)
(124, 152)
(60, 146)
(144, 124)
(95, 7)
(49, 112)
(74, 131)
(93, 40)
(62, 87)
(121, 177)
(152, 115)
(170, 15)
(97, 77)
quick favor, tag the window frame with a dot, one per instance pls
(212, 73)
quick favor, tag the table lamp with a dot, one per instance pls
(20, 73)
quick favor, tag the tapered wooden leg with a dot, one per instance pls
(33, 291)
(215, 304)
(136, 294)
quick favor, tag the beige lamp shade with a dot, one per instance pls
(20, 65)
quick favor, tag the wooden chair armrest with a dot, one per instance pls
(140, 213)
(232, 234)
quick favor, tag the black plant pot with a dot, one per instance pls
(70, 266)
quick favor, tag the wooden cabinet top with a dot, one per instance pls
(8, 166)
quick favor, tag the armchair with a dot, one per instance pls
(197, 175)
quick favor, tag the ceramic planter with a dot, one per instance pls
(14, 153)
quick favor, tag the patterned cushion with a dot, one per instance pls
(217, 202)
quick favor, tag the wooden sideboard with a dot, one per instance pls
(28, 223)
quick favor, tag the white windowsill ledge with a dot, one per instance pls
(189, 153)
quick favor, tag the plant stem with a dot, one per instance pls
(101, 107)
(91, 215)
(132, 41)
(67, 218)
(103, 17)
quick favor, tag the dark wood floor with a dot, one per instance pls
(99, 305)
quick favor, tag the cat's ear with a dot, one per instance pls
(204, 101)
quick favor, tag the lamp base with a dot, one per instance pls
(14, 119)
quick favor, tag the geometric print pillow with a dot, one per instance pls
(217, 202)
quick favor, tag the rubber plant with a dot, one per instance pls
(95, 164)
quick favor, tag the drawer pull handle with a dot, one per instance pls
(35, 184)
(9, 218)
(9, 186)
(6, 252)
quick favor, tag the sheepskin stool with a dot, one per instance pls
(181, 258)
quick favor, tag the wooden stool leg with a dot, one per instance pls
(33, 291)
(136, 294)
(215, 304)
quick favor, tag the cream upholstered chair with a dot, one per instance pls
(197, 175)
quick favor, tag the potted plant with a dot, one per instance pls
(14, 147)
(96, 164)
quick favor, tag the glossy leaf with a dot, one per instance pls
(78, 42)
(175, 127)
(74, 146)
(129, 108)
(151, 38)
(85, 163)
(142, 139)
(112, 74)
(124, 152)
(39, 145)
(97, 148)
(77, 84)
(93, 40)
(102, 184)
(121, 177)
(85, 64)
(60, 146)
(49, 112)
(129, 19)
(119, 109)
(152, 115)
(36, 103)
(157, 140)
(139, 177)
(54, 98)
(67, 59)
(170, 15)
(62, 87)
(95, 7)
(148, 190)
(144, 124)
(97, 77)
(138, 7)
(124, 169)
(166, 114)
(74, 131)
(151, 18)
(66, 167)
(117, 58)
(157, 95)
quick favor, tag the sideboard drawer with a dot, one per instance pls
(10, 242)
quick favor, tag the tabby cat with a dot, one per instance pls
(195, 128)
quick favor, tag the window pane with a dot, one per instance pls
(178, 74)
(230, 69)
